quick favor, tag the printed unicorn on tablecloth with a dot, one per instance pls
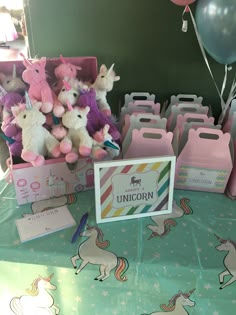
(176, 305)
(38, 301)
(93, 251)
(229, 261)
(163, 222)
(46, 204)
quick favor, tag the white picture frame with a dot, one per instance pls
(133, 188)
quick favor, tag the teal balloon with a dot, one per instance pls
(216, 23)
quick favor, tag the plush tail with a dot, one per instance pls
(121, 268)
(15, 306)
(184, 203)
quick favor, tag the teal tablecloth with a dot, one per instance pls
(170, 267)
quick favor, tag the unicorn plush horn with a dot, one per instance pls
(25, 61)
(14, 71)
(68, 103)
(62, 59)
(67, 85)
(111, 68)
(28, 104)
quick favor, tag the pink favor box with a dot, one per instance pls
(56, 177)
(205, 162)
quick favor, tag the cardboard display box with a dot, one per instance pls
(55, 177)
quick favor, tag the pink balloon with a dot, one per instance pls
(182, 2)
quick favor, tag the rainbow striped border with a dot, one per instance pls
(103, 172)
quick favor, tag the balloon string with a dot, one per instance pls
(224, 81)
(232, 95)
(223, 105)
(185, 22)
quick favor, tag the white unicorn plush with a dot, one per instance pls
(70, 92)
(103, 84)
(37, 141)
(103, 140)
(78, 140)
(12, 83)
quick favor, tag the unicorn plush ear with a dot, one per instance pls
(15, 110)
(106, 129)
(116, 78)
(37, 105)
(86, 109)
(78, 68)
(103, 69)
(43, 61)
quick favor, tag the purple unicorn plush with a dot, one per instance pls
(11, 130)
(96, 119)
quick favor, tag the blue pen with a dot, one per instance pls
(80, 227)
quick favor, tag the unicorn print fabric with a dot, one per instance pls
(92, 251)
(38, 301)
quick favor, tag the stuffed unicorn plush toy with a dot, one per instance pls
(103, 84)
(78, 140)
(39, 89)
(13, 88)
(12, 83)
(64, 70)
(38, 142)
(96, 119)
(70, 92)
(103, 140)
(9, 127)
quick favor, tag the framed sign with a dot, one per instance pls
(133, 188)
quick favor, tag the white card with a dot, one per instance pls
(44, 223)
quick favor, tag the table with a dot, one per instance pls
(176, 271)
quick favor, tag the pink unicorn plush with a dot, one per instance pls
(64, 70)
(39, 89)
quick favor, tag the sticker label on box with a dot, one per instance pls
(189, 176)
